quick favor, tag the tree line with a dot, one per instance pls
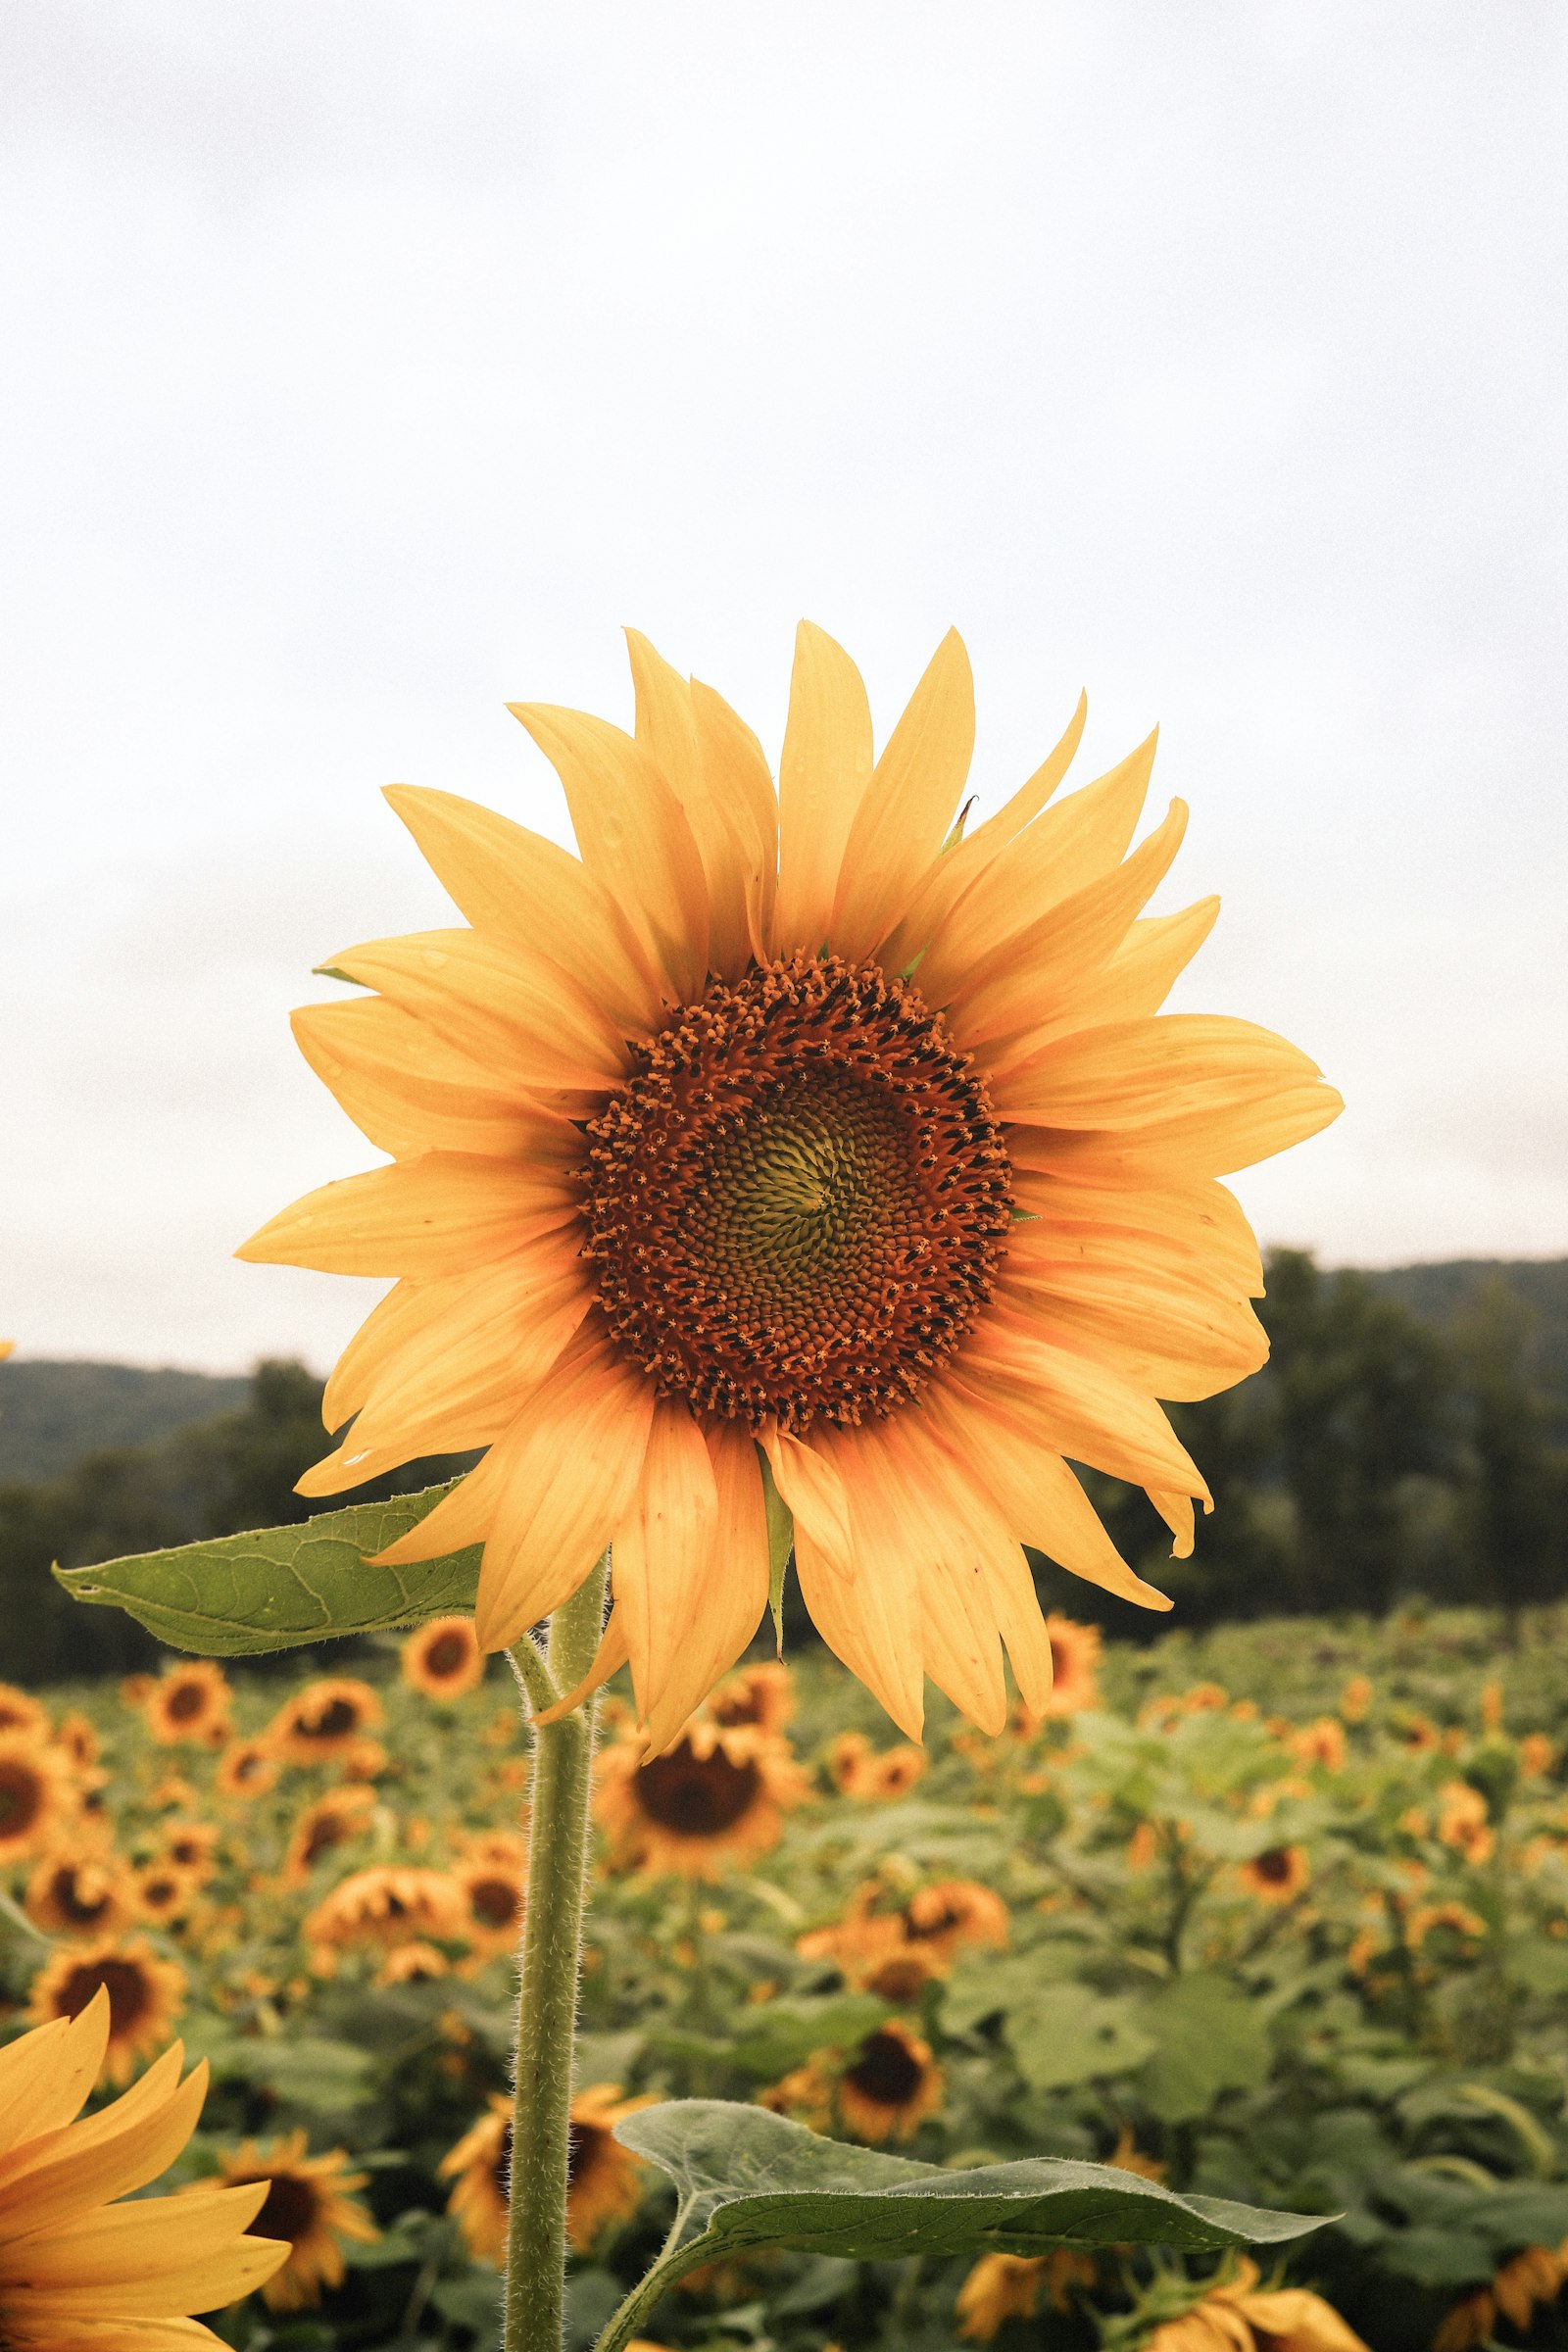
(1377, 1457)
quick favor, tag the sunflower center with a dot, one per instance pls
(331, 1722)
(130, 1994)
(797, 1201)
(886, 2071)
(1274, 1866)
(81, 1895)
(447, 1654)
(583, 2143)
(495, 1902)
(291, 2207)
(696, 1796)
(20, 1799)
(184, 1701)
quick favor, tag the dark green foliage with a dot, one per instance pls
(51, 1414)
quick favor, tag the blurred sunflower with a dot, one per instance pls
(145, 1996)
(894, 1949)
(321, 1828)
(76, 2268)
(603, 2179)
(494, 1897)
(190, 1701)
(1232, 2316)
(164, 1893)
(36, 1797)
(385, 1907)
(248, 1768)
(311, 2205)
(890, 2084)
(92, 1894)
(1008, 2286)
(443, 1658)
(190, 1845)
(1278, 1875)
(325, 1719)
(871, 1776)
(20, 1711)
(77, 1737)
(714, 1799)
(414, 1964)
(798, 1129)
(763, 1694)
(1074, 1659)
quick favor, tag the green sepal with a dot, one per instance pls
(780, 1546)
(276, 1588)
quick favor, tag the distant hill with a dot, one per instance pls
(53, 1412)
(1448, 1289)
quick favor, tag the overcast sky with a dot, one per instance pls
(366, 366)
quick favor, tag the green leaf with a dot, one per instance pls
(1207, 2039)
(1068, 2034)
(279, 1586)
(749, 2179)
(780, 1544)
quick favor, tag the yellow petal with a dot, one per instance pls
(1132, 985)
(887, 1547)
(45, 2075)
(633, 836)
(609, 1658)
(946, 882)
(409, 1090)
(715, 1599)
(1177, 1512)
(1130, 1073)
(1192, 1146)
(1201, 1223)
(736, 779)
(811, 1484)
(823, 772)
(443, 1213)
(1085, 1410)
(661, 1564)
(524, 1019)
(722, 821)
(836, 1609)
(506, 879)
(129, 2263)
(560, 1481)
(959, 1642)
(1041, 970)
(1071, 844)
(908, 806)
(121, 2148)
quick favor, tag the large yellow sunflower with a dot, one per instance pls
(794, 1129)
(77, 2268)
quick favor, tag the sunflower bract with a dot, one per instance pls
(787, 1124)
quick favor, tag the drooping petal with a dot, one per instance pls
(443, 1213)
(811, 1484)
(908, 807)
(409, 1090)
(823, 773)
(633, 835)
(612, 1653)
(505, 879)
(886, 1556)
(1177, 1512)
(662, 1569)
(1090, 1411)
(960, 1641)
(521, 1017)
(856, 1635)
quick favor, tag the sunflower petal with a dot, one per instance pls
(633, 835)
(661, 1565)
(503, 878)
(1132, 985)
(909, 804)
(45, 2075)
(609, 1658)
(443, 1213)
(812, 1487)
(736, 779)
(409, 1090)
(506, 1007)
(822, 776)
(836, 1610)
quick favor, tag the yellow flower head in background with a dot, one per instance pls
(77, 2268)
(793, 1127)
(310, 2205)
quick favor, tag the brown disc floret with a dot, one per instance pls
(796, 1202)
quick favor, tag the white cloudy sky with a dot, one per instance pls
(366, 365)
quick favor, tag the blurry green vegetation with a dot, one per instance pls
(1383, 1453)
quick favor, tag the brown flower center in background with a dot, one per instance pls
(886, 2071)
(185, 1700)
(698, 1796)
(798, 1200)
(80, 1894)
(20, 1799)
(583, 2143)
(502, 2167)
(338, 1716)
(130, 1994)
(291, 2207)
(1274, 1866)
(448, 1653)
(496, 1902)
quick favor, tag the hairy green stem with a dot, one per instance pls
(547, 1999)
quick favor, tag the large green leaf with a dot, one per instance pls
(277, 1587)
(1207, 2039)
(748, 2179)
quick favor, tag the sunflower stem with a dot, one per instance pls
(547, 1999)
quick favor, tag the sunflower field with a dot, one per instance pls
(1278, 1914)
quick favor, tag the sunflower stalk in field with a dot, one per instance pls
(799, 1175)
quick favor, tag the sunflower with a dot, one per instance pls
(1320, 1743)
(1462, 1823)
(20, 1711)
(321, 1828)
(890, 2084)
(35, 1794)
(1008, 2286)
(714, 1799)
(794, 1130)
(311, 2204)
(414, 1964)
(494, 1895)
(325, 1719)
(1074, 1657)
(383, 1907)
(164, 1893)
(603, 2179)
(1356, 1699)
(895, 1952)
(761, 1694)
(871, 1776)
(190, 1701)
(1278, 1875)
(75, 2268)
(145, 1995)
(90, 1894)
(443, 1658)
(77, 1737)
(190, 1845)
(248, 1768)
(1232, 2315)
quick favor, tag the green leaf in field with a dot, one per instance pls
(1207, 2039)
(1067, 2033)
(279, 1586)
(749, 2178)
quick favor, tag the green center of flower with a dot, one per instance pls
(796, 1202)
